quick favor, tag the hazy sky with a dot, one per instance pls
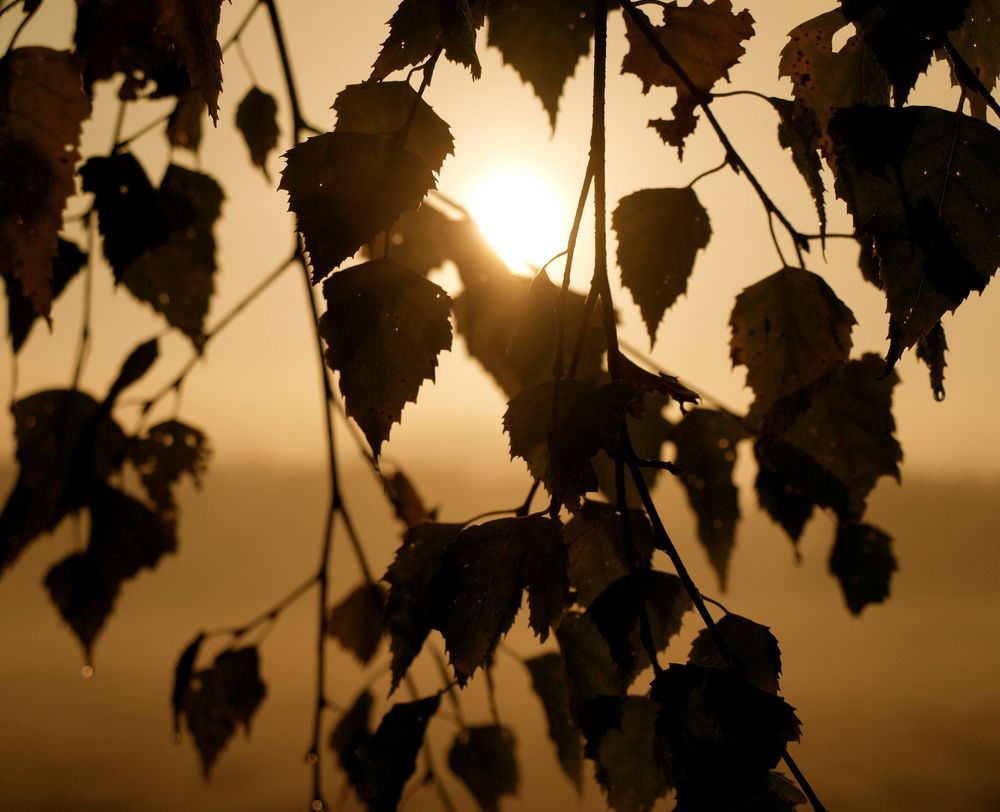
(256, 395)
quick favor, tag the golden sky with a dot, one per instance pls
(255, 396)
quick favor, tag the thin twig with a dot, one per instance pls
(270, 614)
(704, 102)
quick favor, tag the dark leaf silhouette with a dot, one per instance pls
(66, 444)
(788, 506)
(590, 669)
(797, 133)
(125, 537)
(903, 36)
(352, 731)
(931, 348)
(721, 734)
(418, 27)
(418, 240)
(21, 313)
(384, 328)
(595, 545)
(481, 579)
(789, 330)
(170, 42)
(823, 79)
(184, 124)
(659, 233)
(754, 649)
(706, 454)
(136, 365)
(548, 681)
(176, 277)
(358, 621)
(386, 761)
(655, 383)
(705, 40)
(543, 42)
(131, 215)
(835, 451)
(42, 109)
(386, 109)
(412, 607)
(160, 243)
(257, 121)
(617, 614)
(483, 758)
(933, 212)
(977, 44)
(406, 502)
(588, 420)
(863, 562)
(165, 453)
(222, 698)
(183, 673)
(621, 738)
(347, 187)
(510, 325)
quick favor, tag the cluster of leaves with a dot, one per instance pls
(919, 182)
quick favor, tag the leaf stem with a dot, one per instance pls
(704, 101)
(271, 614)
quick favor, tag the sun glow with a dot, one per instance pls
(521, 216)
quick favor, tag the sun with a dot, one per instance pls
(521, 216)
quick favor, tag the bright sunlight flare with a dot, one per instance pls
(521, 216)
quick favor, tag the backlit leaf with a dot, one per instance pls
(931, 348)
(621, 742)
(797, 133)
(705, 40)
(863, 562)
(596, 548)
(406, 502)
(183, 673)
(823, 79)
(136, 365)
(385, 108)
(42, 109)
(418, 27)
(616, 613)
(722, 734)
(352, 731)
(590, 669)
(835, 451)
(483, 758)
(789, 330)
(257, 121)
(358, 621)
(165, 453)
(783, 502)
(418, 240)
(412, 604)
(347, 187)
(191, 26)
(925, 185)
(66, 444)
(176, 277)
(125, 537)
(386, 761)
(543, 42)
(384, 328)
(903, 35)
(548, 681)
(706, 454)
(977, 43)
(222, 698)
(21, 313)
(755, 651)
(481, 579)
(659, 233)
